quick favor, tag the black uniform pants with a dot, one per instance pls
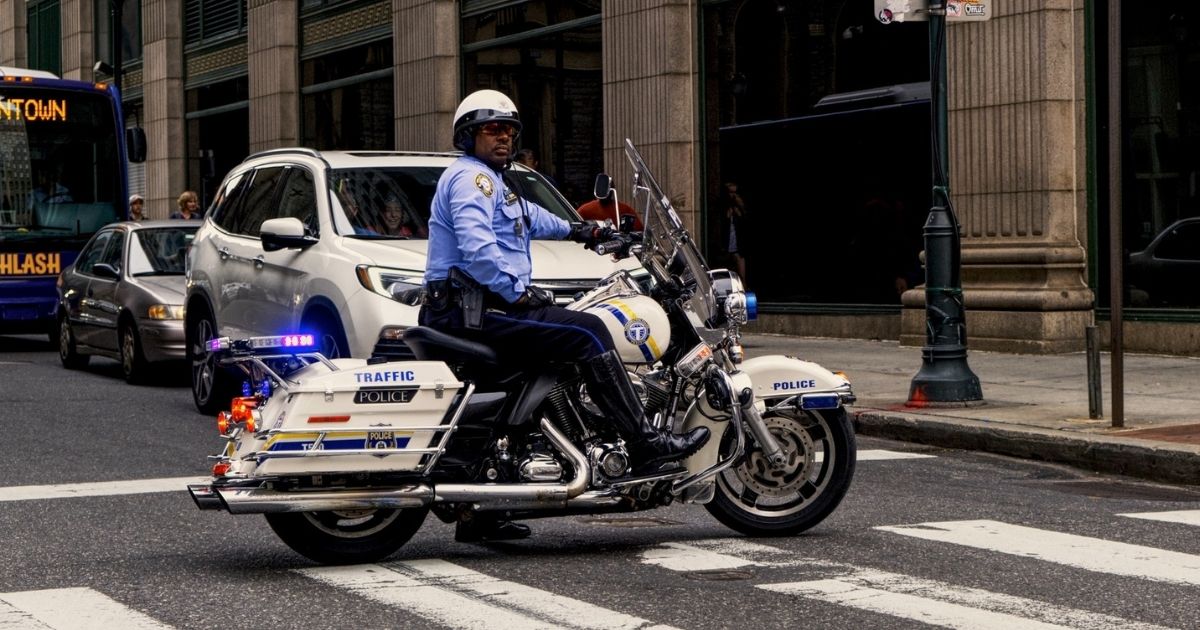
(528, 336)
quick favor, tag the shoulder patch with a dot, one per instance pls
(484, 184)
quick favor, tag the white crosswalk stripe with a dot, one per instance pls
(1092, 554)
(69, 609)
(946, 605)
(97, 488)
(457, 597)
(1185, 517)
(904, 596)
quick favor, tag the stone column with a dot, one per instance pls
(79, 39)
(273, 58)
(163, 104)
(12, 34)
(651, 76)
(426, 80)
(1018, 178)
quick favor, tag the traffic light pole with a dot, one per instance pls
(944, 376)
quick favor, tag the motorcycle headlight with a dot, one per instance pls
(397, 284)
(736, 308)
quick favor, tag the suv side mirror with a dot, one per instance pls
(284, 233)
(603, 186)
(135, 144)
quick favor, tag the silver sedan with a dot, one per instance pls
(123, 297)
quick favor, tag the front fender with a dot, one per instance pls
(777, 376)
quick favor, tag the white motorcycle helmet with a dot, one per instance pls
(482, 107)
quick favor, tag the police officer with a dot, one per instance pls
(478, 286)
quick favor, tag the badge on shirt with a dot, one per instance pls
(484, 184)
(510, 198)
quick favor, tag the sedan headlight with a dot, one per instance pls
(165, 311)
(398, 284)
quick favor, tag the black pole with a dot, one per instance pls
(944, 376)
(1116, 246)
(116, 11)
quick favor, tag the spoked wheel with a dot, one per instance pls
(133, 362)
(347, 536)
(212, 387)
(759, 499)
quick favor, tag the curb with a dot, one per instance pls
(1149, 459)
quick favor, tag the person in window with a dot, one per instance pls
(479, 244)
(189, 206)
(50, 189)
(529, 158)
(399, 219)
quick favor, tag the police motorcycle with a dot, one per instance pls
(346, 457)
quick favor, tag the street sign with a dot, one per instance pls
(888, 11)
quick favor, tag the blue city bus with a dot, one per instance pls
(62, 177)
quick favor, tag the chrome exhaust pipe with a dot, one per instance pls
(482, 496)
(524, 496)
(264, 500)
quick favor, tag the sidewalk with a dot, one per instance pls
(1035, 406)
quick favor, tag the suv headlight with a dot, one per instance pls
(397, 284)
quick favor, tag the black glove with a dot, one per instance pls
(535, 297)
(590, 233)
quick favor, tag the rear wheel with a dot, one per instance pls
(759, 499)
(212, 386)
(133, 362)
(67, 354)
(347, 536)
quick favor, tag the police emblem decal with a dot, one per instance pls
(637, 331)
(484, 184)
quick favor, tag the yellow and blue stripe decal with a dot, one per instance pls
(341, 440)
(637, 331)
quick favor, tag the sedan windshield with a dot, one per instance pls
(387, 203)
(160, 251)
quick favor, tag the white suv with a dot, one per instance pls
(334, 243)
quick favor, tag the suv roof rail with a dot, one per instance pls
(383, 153)
(284, 151)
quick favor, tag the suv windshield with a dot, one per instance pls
(395, 202)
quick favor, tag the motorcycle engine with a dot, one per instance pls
(540, 467)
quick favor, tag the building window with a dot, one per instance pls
(211, 19)
(131, 29)
(45, 36)
(546, 56)
(347, 100)
(826, 170)
(218, 133)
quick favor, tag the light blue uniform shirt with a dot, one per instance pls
(478, 225)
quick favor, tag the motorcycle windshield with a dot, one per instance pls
(669, 252)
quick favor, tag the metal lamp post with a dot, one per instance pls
(944, 376)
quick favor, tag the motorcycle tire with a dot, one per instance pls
(347, 537)
(758, 499)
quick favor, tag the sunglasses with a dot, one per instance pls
(497, 129)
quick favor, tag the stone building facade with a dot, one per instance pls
(704, 87)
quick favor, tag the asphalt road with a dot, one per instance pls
(950, 539)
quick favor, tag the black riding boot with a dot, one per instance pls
(609, 386)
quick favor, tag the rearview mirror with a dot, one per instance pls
(135, 144)
(603, 186)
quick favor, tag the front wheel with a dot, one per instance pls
(759, 499)
(67, 353)
(212, 386)
(133, 362)
(347, 536)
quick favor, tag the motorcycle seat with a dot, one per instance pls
(432, 345)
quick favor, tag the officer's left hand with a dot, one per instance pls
(590, 233)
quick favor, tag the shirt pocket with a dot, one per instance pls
(510, 228)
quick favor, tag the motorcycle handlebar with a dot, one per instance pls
(611, 247)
